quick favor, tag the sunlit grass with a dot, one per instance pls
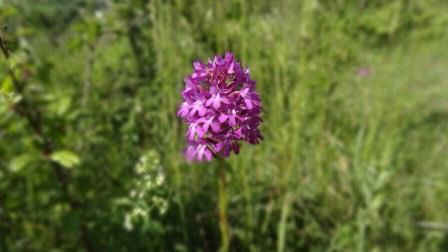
(349, 161)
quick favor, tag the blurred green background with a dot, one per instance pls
(355, 124)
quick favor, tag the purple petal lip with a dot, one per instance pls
(220, 107)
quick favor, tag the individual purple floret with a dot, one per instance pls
(221, 108)
(364, 72)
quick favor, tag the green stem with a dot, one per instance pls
(222, 207)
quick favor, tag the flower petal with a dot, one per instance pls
(223, 117)
(215, 126)
(248, 103)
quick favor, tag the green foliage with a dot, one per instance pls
(66, 158)
(7, 86)
(91, 148)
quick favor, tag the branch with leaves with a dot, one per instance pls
(34, 119)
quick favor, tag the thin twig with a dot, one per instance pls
(442, 226)
(4, 47)
(88, 73)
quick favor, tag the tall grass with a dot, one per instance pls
(348, 162)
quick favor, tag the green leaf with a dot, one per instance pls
(122, 202)
(7, 86)
(63, 105)
(7, 11)
(19, 162)
(66, 158)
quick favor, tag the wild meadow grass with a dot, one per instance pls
(355, 98)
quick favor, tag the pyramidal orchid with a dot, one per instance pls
(221, 108)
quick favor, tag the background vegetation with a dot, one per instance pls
(356, 126)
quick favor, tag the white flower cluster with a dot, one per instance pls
(145, 195)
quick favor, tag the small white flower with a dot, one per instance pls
(128, 223)
(160, 179)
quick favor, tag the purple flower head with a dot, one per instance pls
(364, 72)
(221, 107)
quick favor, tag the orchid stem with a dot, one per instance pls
(222, 207)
